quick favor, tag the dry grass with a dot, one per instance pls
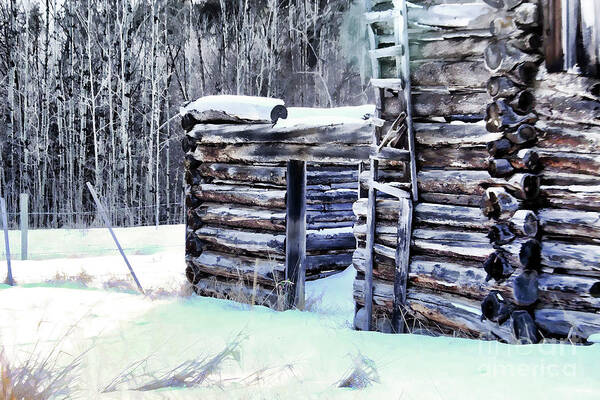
(83, 278)
(39, 378)
(200, 371)
(361, 375)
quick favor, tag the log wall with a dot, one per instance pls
(236, 204)
(505, 237)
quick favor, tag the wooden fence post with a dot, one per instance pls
(9, 277)
(104, 216)
(295, 235)
(24, 210)
(402, 265)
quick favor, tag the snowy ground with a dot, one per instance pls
(298, 355)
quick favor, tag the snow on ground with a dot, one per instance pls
(300, 355)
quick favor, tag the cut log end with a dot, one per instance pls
(278, 112)
(525, 288)
(497, 267)
(495, 308)
(524, 327)
(530, 254)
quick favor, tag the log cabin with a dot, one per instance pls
(467, 199)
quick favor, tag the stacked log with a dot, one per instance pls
(506, 228)
(236, 203)
(532, 237)
(448, 78)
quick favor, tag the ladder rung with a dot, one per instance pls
(391, 51)
(391, 83)
(386, 39)
(381, 16)
(389, 189)
(390, 153)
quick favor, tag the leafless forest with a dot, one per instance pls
(91, 89)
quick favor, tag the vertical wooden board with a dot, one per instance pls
(553, 35)
(570, 28)
(370, 242)
(590, 35)
(295, 241)
(402, 264)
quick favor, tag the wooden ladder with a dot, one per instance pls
(396, 47)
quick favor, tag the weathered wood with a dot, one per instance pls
(570, 257)
(295, 234)
(577, 163)
(553, 48)
(501, 147)
(569, 84)
(523, 102)
(565, 323)
(466, 245)
(463, 134)
(525, 288)
(259, 243)
(298, 131)
(331, 196)
(427, 104)
(402, 262)
(449, 74)
(495, 308)
(370, 241)
(428, 213)
(529, 43)
(523, 253)
(568, 179)
(456, 199)
(578, 197)
(244, 173)
(470, 279)
(236, 290)
(458, 313)
(524, 327)
(500, 234)
(264, 270)
(281, 152)
(452, 182)
(455, 312)
(239, 194)
(571, 138)
(499, 204)
(450, 48)
(526, 160)
(500, 116)
(524, 223)
(234, 109)
(501, 57)
(240, 216)
(572, 109)
(497, 267)
(452, 157)
(584, 224)
(502, 87)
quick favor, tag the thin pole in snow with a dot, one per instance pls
(24, 209)
(104, 215)
(9, 278)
